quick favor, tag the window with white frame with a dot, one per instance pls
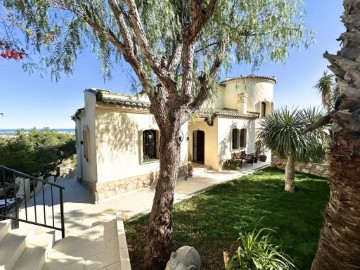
(150, 145)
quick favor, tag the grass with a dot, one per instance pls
(211, 221)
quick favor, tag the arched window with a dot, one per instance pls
(263, 109)
(150, 144)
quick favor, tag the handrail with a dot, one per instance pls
(22, 197)
(29, 176)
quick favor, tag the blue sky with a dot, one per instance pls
(32, 101)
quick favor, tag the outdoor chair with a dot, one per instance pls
(243, 157)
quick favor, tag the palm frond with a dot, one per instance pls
(282, 133)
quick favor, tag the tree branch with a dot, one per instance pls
(101, 30)
(200, 17)
(175, 59)
(153, 62)
(140, 34)
(205, 81)
(319, 123)
(187, 76)
(206, 46)
(119, 16)
(125, 49)
(190, 35)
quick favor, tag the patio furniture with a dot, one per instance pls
(243, 157)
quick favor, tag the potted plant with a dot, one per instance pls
(260, 151)
(262, 158)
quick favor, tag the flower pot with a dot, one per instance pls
(262, 158)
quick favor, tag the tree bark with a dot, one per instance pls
(161, 222)
(290, 174)
(339, 245)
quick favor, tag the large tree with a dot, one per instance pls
(339, 245)
(175, 49)
(281, 132)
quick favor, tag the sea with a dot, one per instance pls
(64, 130)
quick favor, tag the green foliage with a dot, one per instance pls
(328, 89)
(255, 251)
(232, 164)
(251, 31)
(36, 152)
(282, 133)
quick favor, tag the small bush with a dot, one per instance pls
(232, 164)
(256, 252)
(37, 152)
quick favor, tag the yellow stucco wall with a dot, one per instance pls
(218, 138)
(211, 138)
(218, 141)
(257, 89)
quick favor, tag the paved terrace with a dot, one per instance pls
(81, 214)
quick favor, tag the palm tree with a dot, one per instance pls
(329, 91)
(324, 87)
(282, 133)
(339, 244)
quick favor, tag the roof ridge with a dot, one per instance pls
(250, 76)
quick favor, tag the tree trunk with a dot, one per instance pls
(290, 174)
(160, 223)
(339, 245)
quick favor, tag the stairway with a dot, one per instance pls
(101, 247)
(21, 249)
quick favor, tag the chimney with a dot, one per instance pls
(242, 102)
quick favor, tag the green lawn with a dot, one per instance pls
(211, 221)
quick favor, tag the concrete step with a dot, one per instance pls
(4, 227)
(13, 245)
(94, 248)
(33, 258)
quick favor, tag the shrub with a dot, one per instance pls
(232, 164)
(37, 152)
(256, 252)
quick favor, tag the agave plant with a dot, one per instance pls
(282, 132)
(255, 251)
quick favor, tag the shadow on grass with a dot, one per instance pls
(211, 221)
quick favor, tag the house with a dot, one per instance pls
(118, 139)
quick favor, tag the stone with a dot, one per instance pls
(185, 258)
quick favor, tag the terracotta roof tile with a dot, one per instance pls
(206, 112)
(251, 76)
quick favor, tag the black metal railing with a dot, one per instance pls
(37, 200)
